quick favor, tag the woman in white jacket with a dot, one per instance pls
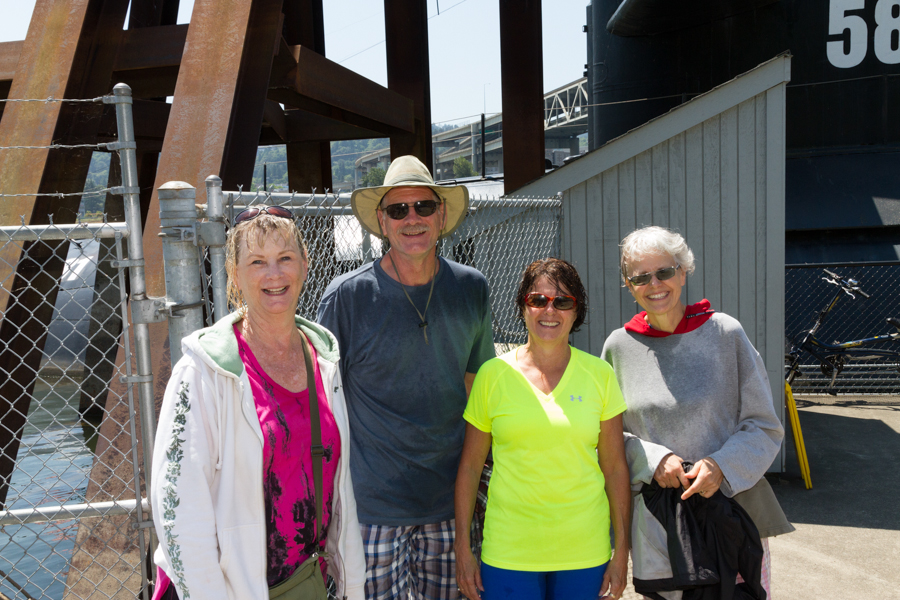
(233, 488)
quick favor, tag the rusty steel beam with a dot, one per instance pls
(149, 83)
(303, 126)
(151, 47)
(319, 85)
(292, 99)
(150, 13)
(304, 24)
(260, 46)
(308, 164)
(150, 119)
(149, 58)
(273, 118)
(204, 120)
(521, 70)
(68, 53)
(406, 32)
(9, 56)
(300, 126)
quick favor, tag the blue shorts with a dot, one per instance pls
(578, 584)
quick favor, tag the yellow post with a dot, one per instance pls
(798, 435)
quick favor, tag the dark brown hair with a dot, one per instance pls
(564, 278)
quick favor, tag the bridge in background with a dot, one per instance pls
(565, 119)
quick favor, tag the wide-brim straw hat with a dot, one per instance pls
(408, 171)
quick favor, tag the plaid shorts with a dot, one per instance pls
(415, 562)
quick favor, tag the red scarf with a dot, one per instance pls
(694, 316)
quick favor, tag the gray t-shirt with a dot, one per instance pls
(406, 398)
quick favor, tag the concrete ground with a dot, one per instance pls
(847, 542)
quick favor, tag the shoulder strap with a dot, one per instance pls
(315, 426)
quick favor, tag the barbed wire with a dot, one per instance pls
(59, 194)
(52, 99)
(62, 147)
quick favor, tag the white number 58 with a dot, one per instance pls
(886, 42)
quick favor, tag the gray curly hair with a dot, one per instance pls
(654, 241)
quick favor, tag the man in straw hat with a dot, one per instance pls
(413, 329)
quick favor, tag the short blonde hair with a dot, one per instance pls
(654, 241)
(258, 230)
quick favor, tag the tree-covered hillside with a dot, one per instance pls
(343, 158)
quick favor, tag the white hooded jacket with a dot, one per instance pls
(207, 486)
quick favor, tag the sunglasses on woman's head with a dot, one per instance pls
(661, 275)
(254, 211)
(536, 300)
(424, 208)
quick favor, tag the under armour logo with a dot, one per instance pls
(572, 398)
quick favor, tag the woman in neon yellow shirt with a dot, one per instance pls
(548, 411)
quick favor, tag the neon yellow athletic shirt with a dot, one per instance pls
(547, 508)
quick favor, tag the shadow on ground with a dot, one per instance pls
(854, 458)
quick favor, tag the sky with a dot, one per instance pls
(464, 44)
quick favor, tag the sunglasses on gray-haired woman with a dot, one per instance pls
(661, 275)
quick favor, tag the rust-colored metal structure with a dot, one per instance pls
(243, 73)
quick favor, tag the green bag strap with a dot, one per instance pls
(315, 426)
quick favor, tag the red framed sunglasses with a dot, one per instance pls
(254, 211)
(536, 300)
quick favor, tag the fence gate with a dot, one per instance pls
(72, 516)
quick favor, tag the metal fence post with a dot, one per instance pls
(131, 194)
(177, 217)
(215, 213)
(127, 147)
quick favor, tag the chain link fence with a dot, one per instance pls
(73, 522)
(76, 443)
(72, 517)
(499, 237)
(807, 294)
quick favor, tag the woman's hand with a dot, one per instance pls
(615, 578)
(707, 478)
(468, 573)
(475, 450)
(611, 450)
(670, 473)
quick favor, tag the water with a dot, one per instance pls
(52, 467)
(56, 451)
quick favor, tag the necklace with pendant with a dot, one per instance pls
(424, 324)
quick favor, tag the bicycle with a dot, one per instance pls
(834, 357)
